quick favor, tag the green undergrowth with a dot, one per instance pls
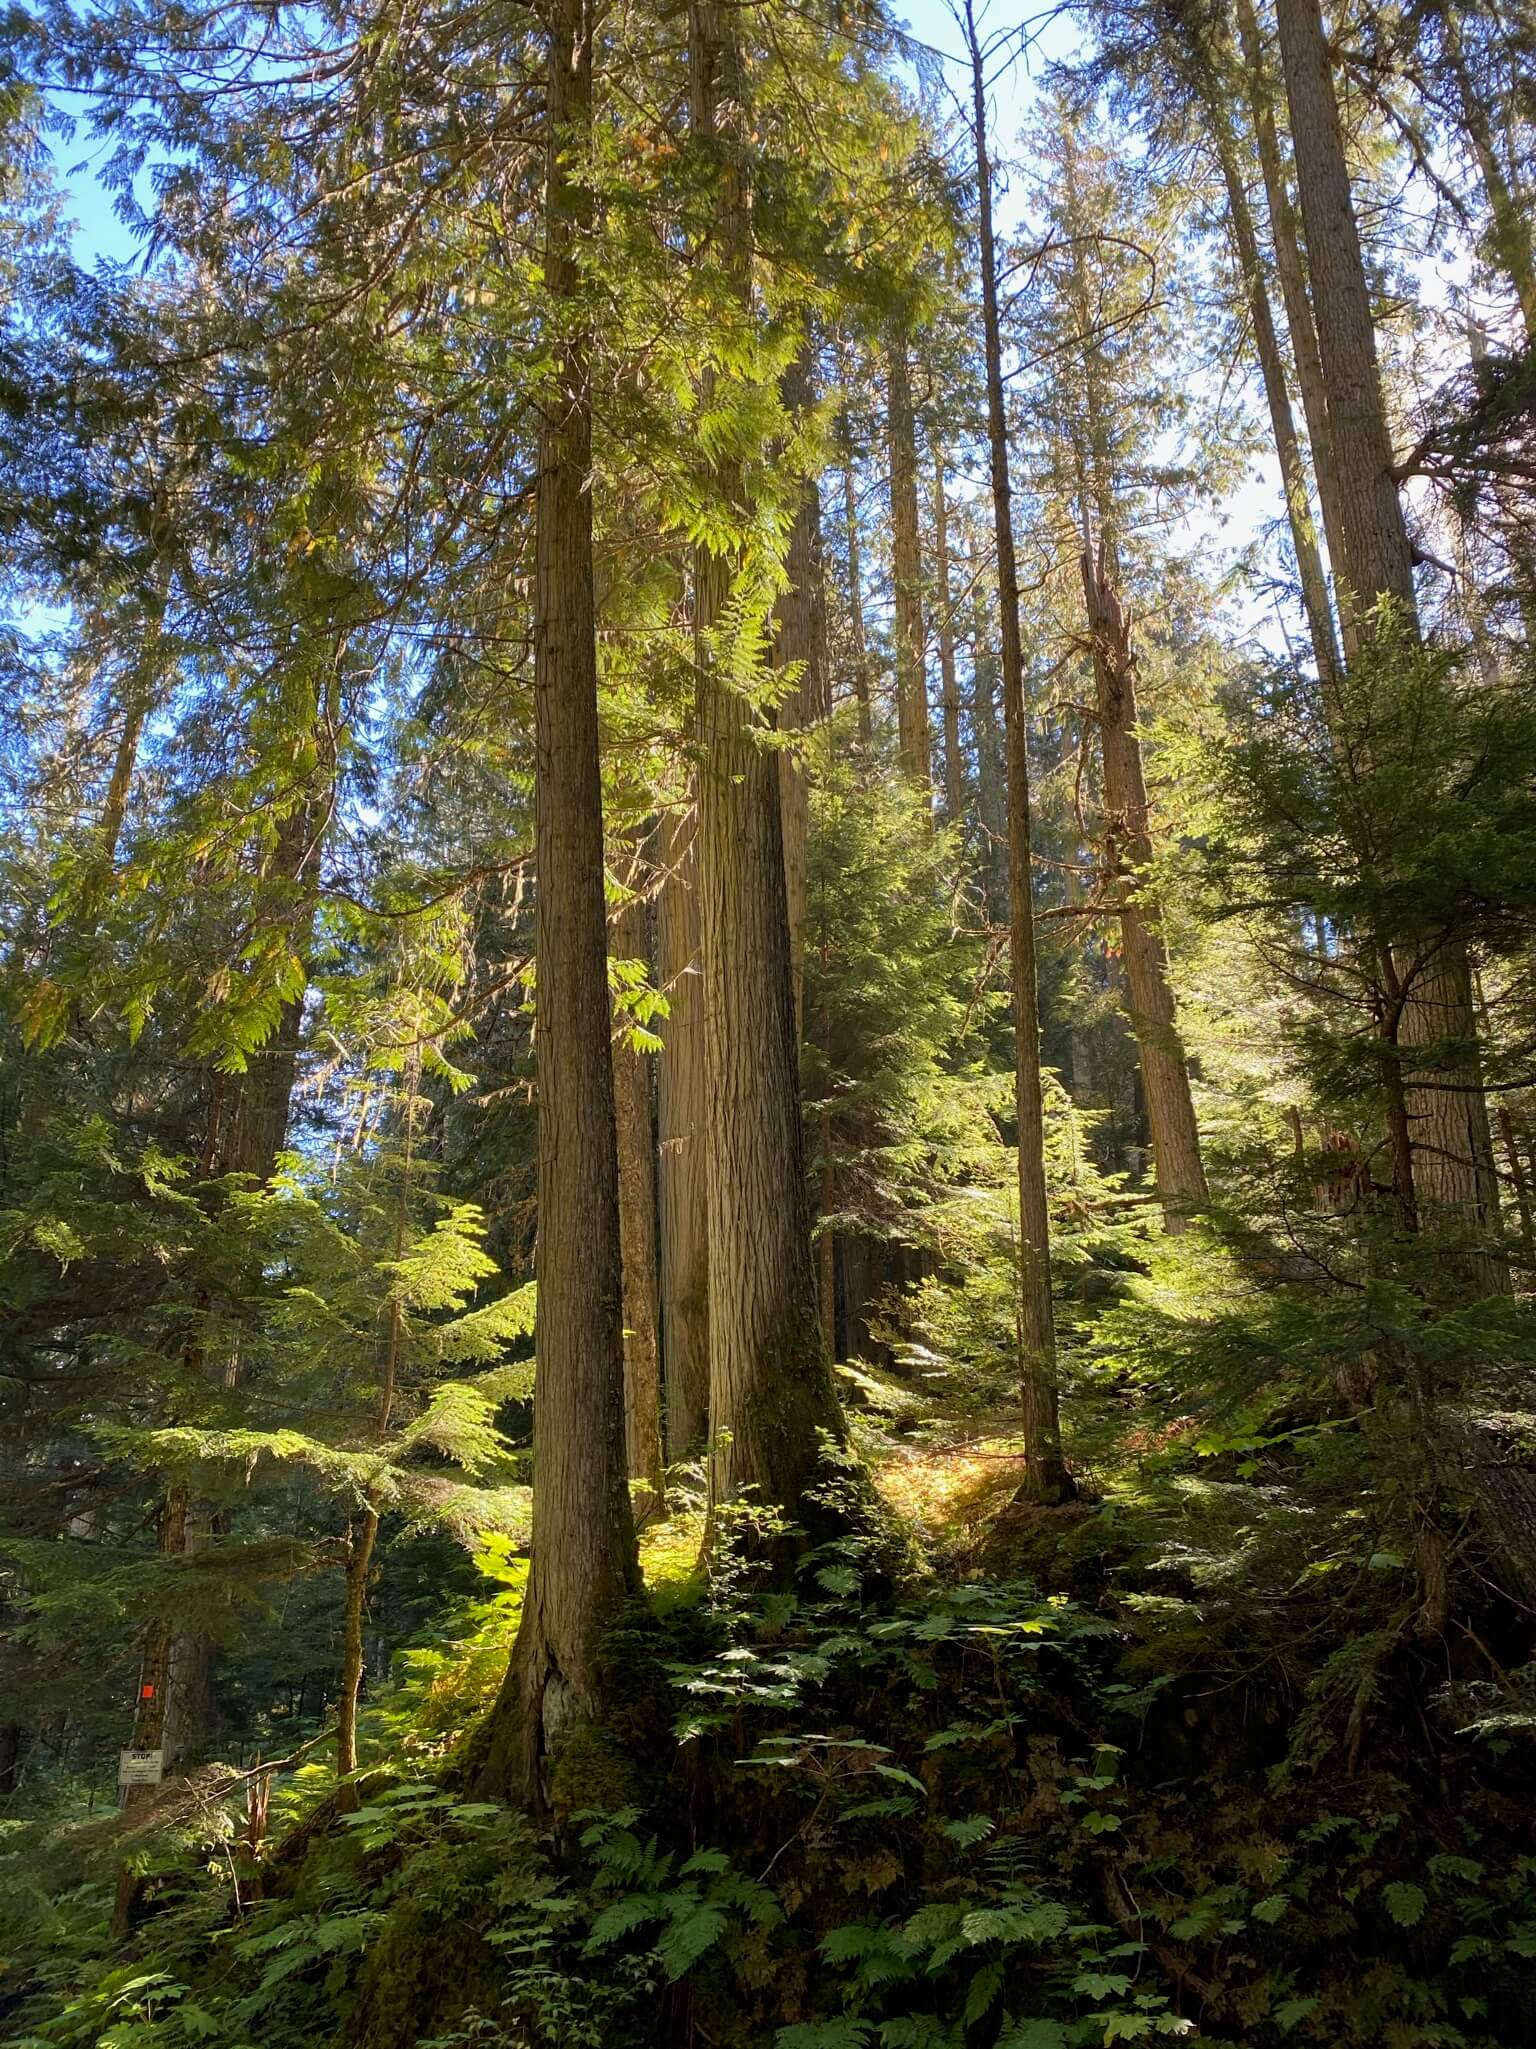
(1140, 1776)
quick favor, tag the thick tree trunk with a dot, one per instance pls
(1127, 851)
(912, 732)
(583, 1567)
(682, 1097)
(861, 687)
(1047, 1478)
(1447, 1112)
(954, 776)
(637, 1235)
(771, 1389)
(1300, 320)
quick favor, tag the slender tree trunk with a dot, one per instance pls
(954, 779)
(771, 1389)
(861, 689)
(826, 1245)
(991, 801)
(1510, 239)
(12, 1735)
(1300, 320)
(1127, 851)
(583, 1566)
(637, 1234)
(682, 1096)
(1288, 449)
(358, 1563)
(912, 734)
(1047, 1478)
(1377, 561)
(1448, 1115)
(799, 642)
(1520, 1185)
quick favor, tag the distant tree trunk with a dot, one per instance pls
(12, 1735)
(826, 1244)
(954, 778)
(991, 802)
(583, 1566)
(682, 1098)
(912, 732)
(799, 642)
(357, 1563)
(1127, 851)
(1047, 1478)
(771, 1389)
(1300, 319)
(1447, 1114)
(637, 1233)
(861, 689)
(1288, 449)
(1520, 1185)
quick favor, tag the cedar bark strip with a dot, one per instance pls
(1446, 1115)
(637, 1238)
(771, 1391)
(1047, 1478)
(1170, 1108)
(583, 1566)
